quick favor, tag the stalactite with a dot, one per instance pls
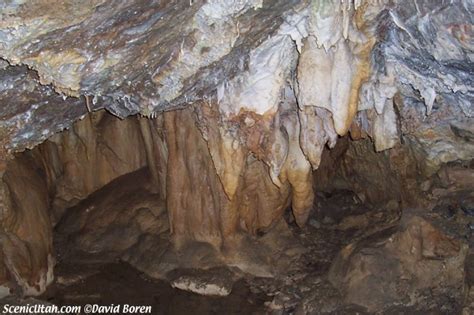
(251, 93)
(150, 152)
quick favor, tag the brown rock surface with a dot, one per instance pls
(400, 269)
(26, 242)
(240, 101)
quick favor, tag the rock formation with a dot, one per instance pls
(419, 256)
(239, 110)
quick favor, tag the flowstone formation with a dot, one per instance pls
(237, 101)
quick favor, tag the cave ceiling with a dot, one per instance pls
(61, 59)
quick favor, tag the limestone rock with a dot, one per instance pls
(26, 242)
(419, 257)
(211, 282)
(240, 100)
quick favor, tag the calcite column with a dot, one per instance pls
(195, 197)
(232, 177)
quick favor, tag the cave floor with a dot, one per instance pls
(119, 283)
(304, 288)
(82, 278)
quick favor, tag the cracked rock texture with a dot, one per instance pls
(237, 103)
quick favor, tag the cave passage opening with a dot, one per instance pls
(89, 219)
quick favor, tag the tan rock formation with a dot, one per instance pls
(27, 258)
(419, 256)
(240, 103)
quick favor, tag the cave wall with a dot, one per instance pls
(40, 184)
(93, 152)
(97, 150)
(219, 182)
(268, 89)
(27, 258)
(182, 151)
